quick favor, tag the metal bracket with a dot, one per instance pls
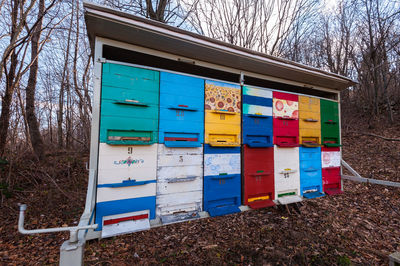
(241, 80)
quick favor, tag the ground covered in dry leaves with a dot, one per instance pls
(360, 227)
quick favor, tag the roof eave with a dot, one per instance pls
(108, 23)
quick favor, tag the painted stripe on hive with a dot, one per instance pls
(129, 218)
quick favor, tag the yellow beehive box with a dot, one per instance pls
(222, 114)
(222, 128)
(309, 121)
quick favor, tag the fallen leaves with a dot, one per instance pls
(361, 226)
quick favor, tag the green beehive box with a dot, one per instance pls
(330, 131)
(129, 105)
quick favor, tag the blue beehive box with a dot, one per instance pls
(181, 110)
(257, 117)
(310, 172)
(222, 182)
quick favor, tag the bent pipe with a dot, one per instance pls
(72, 229)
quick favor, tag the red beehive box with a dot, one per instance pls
(286, 119)
(331, 180)
(331, 176)
(258, 177)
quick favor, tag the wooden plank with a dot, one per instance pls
(228, 163)
(165, 187)
(330, 159)
(118, 163)
(110, 194)
(179, 160)
(168, 204)
(163, 150)
(169, 172)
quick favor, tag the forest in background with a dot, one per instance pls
(45, 119)
(46, 63)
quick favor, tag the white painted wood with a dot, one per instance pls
(340, 137)
(167, 172)
(179, 160)
(257, 109)
(289, 199)
(116, 150)
(228, 163)
(287, 170)
(118, 163)
(180, 185)
(117, 176)
(179, 180)
(330, 159)
(258, 92)
(164, 150)
(180, 202)
(94, 136)
(109, 194)
(126, 226)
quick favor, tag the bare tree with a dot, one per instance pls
(375, 30)
(167, 11)
(13, 58)
(34, 132)
(259, 25)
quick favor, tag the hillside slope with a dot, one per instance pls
(361, 226)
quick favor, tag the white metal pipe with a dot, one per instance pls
(73, 230)
(371, 181)
(361, 179)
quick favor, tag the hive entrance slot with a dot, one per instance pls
(133, 138)
(124, 137)
(286, 194)
(310, 190)
(179, 212)
(124, 219)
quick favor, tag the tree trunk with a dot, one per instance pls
(34, 132)
(6, 103)
(64, 82)
(159, 13)
(10, 79)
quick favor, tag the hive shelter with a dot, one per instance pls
(186, 127)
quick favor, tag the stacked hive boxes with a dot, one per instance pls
(180, 152)
(309, 121)
(330, 134)
(126, 188)
(222, 179)
(310, 172)
(258, 149)
(331, 170)
(310, 153)
(170, 147)
(286, 151)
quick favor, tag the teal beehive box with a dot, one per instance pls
(129, 105)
